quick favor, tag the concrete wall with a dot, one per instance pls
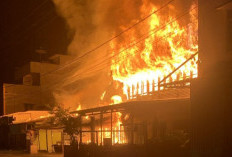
(34, 67)
(37, 91)
(61, 59)
(214, 47)
(211, 104)
(17, 97)
(42, 68)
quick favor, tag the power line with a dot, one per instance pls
(127, 29)
(109, 40)
(155, 31)
(121, 34)
(136, 42)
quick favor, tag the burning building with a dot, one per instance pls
(147, 83)
(160, 49)
(134, 88)
(149, 67)
(154, 62)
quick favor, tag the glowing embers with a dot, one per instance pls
(141, 63)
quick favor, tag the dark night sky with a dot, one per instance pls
(26, 25)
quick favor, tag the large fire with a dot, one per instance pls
(140, 66)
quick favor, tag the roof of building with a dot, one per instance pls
(28, 116)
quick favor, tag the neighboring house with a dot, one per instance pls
(26, 102)
(32, 91)
(29, 131)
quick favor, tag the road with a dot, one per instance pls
(22, 154)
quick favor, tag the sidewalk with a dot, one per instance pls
(23, 154)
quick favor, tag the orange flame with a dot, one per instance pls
(141, 66)
(116, 99)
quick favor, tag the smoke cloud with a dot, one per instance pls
(90, 23)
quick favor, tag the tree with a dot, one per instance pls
(69, 122)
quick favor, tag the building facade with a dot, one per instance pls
(33, 90)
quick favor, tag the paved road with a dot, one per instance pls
(22, 154)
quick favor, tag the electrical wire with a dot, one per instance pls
(135, 43)
(115, 54)
(127, 29)
(116, 36)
